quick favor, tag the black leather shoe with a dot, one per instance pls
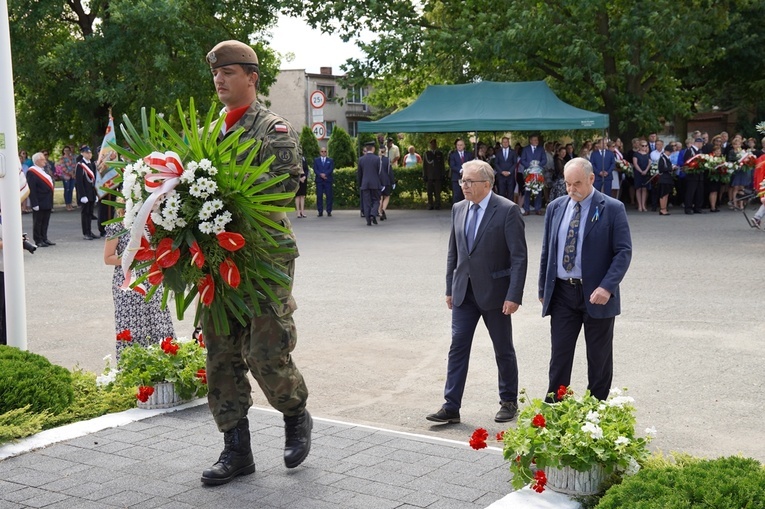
(297, 442)
(444, 416)
(329, 214)
(236, 458)
(319, 214)
(507, 411)
(42, 243)
(49, 242)
(374, 220)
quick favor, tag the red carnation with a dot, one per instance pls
(230, 241)
(155, 276)
(202, 375)
(500, 436)
(206, 288)
(125, 335)
(540, 480)
(197, 258)
(538, 421)
(166, 255)
(169, 346)
(144, 393)
(478, 439)
(562, 392)
(230, 273)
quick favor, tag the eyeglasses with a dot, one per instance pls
(643, 145)
(469, 183)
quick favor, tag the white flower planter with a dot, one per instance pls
(572, 482)
(164, 397)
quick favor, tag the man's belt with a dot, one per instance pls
(573, 281)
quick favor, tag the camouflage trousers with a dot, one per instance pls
(262, 347)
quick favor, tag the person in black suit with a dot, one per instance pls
(324, 168)
(41, 198)
(505, 163)
(665, 182)
(433, 174)
(368, 178)
(457, 158)
(85, 184)
(586, 251)
(694, 180)
(485, 275)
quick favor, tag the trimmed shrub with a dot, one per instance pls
(30, 379)
(340, 148)
(309, 144)
(723, 483)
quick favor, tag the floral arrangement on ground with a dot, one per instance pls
(180, 362)
(580, 432)
(198, 215)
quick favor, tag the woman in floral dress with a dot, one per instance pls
(146, 322)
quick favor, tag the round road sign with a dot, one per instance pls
(319, 130)
(318, 99)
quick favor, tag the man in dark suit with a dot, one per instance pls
(586, 250)
(694, 180)
(533, 152)
(485, 275)
(85, 184)
(504, 164)
(433, 174)
(603, 165)
(323, 167)
(368, 178)
(41, 198)
(456, 159)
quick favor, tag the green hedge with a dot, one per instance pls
(30, 379)
(410, 192)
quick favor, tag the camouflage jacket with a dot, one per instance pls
(279, 139)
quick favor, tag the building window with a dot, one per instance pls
(353, 128)
(330, 126)
(357, 95)
(329, 91)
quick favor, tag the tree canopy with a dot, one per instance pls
(73, 60)
(639, 62)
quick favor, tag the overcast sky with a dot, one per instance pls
(311, 48)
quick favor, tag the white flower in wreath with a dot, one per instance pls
(206, 227)
(203, 188)
(192, 166)
(595, 431)
(223, 218)
(187, 176)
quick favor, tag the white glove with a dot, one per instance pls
(35, 208)
(84, 199)
(394, 186)
(383, 189)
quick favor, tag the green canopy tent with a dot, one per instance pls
(487, 106)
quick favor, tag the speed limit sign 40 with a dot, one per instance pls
(318, 99)
(319, 130)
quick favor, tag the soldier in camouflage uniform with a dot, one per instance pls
(263, 347)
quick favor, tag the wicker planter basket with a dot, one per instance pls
(164, 397)
(572, 482)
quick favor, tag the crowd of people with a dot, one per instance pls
(649, 174)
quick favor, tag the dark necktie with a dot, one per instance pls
(569, 253)
(472, 226)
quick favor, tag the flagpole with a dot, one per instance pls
(12, 252)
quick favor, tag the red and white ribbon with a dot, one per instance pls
(167, 174)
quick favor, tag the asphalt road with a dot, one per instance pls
(374, 328)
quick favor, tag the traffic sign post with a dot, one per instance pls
(318, 99)
(319, 130)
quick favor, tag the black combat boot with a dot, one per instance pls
(297, 444)
(236, 458)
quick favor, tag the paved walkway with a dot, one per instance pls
(157, 462)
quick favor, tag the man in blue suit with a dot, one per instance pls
(603, 165)
(456, 159)
(323, 167)
(504, 165)
(533, 152)
(586, 251)
(485, 276)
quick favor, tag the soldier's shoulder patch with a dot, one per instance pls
(284, 155)
(281, 128)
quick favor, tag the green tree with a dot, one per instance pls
(340, 148)
(624, 58)
(74, 60)
(309, 144)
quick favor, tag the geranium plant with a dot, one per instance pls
(576, 431)
(198, 215)
(181, 362)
